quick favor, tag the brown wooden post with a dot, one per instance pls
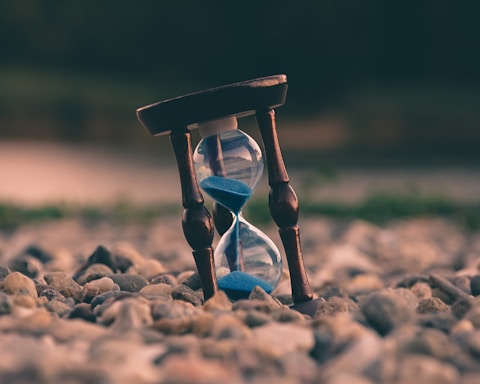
(283, 204)
(197, 223)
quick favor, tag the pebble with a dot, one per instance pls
(293, 338)
(6, 304)
(18, 283)
(160, 289)
(4, 272)
(148, 269)
(421, 290)
(92, 272)
(385, 311)
(129, 282)
(432, 305)
(182, 292)
(102, 255)
(219, 302)
(475, 285)
(64, 284)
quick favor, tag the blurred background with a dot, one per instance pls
(372, 83)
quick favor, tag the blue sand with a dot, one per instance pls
(230, 193)
(242, 283)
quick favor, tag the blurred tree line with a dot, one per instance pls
(328, 49)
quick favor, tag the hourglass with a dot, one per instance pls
(227, 164)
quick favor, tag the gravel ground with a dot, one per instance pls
(121, 304)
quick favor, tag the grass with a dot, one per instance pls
(376, 209)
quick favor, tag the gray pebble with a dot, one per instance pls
(129, 282)
(5, 304)
(4, 272)
(286, 315)
(385, 310)
(92, 272)
(193, 281)
(254, 318)
(58, 307)
(83, 311)
(27, 265)
(431, 342)
(102, 255)
(443, 321)
(182, 292)
(260, 294)
(475, 285)
(461, 307)
(165, 279)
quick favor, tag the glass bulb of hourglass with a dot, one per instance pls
(229, 166)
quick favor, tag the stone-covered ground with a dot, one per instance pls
(120, 303)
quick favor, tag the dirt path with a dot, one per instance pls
(37, 173)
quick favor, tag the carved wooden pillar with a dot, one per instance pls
(197, 223)
(283, 204)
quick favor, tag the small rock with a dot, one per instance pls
(58, 307)
(433, 343)
(363, 283)
(128, 282)
(175, 309)
(335, 305)
(92, 272)
(64, 284)
(157, 290)
(38, 253)
(426, 370)
(193, 281)
(421, 290)
(18, 283)
(193, 369)
(27, 265)
(5, 304)
(96, 287)
(50, 294)
(461, 307)
(125, 254)
(102, 298)
(182, 292)
(83, 311)
(127, 314)
(219, 302)
(286, 315)
(148, 269)
(258, 293)
(475, 285)
(102, 255)
(463, 282)
(254, 318)
(432, 305)
(24, 301)
(293, 338)
(4, 272)
(227, 326)
(443, 321)
(165, 279)
(447, 287)
(385, 311)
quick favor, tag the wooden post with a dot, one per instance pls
(197, 223)
(283, 204)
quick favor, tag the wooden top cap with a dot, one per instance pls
(238, 99)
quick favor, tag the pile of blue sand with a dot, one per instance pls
(238, 285)
(230, 193)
